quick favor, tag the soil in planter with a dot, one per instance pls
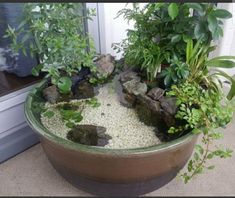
(123, 127)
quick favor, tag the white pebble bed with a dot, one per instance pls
(121, 123)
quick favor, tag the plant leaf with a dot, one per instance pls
(64, 84)
(231, 93)
(221, 13)
(35, 70)
(175, 38)
(223, 57)
(49, 114)
(189, 50)
(220, 63)
(173, 10)
(212, 22)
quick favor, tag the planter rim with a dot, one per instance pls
(43, 131)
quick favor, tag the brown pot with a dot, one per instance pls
(105, 171)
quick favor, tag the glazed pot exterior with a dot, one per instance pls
(119, 167)
(111, 166)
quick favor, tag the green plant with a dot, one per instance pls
(176, 73)
(203, 70)
(93, 102)
(161, 31)
(204, 111)
(57, 37)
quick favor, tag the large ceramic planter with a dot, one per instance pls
(112, 171)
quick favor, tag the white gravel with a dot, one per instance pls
(122, 123)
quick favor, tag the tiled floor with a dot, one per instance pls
(30, 173)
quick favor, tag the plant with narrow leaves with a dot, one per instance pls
(205, 71)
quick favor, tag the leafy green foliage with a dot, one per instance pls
(162, 30)
(199, 65)
(176, 73)
(173, 10)
(93, 102)
(203, 111)
(71, 117)
(48, 114)
(64, 84)
(56, 35)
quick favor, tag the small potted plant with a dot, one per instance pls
(119, 128)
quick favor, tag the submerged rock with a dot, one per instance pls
(84, 90)
(156, 93)
(105, 65)
(51, 94)
(135, 87)
(89, 135)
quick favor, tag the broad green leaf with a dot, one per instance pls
(173, 10)
(64, 84)
(175, 38)
(221, 13)
(200, 30)
(220, 63)
(212, 22)
(167, 80)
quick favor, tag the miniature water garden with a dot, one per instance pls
(164, 88)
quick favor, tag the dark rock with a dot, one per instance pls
(135, 87)
(169, 119)
(127, 100)
(81, 75)
(149, 103)
(105, 65)
(84, 90)
(129, 75)
(89, 135)
(149, 111)
(168, 104)
(156, 93)
(51, 94)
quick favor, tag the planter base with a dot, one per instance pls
(114, 189)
